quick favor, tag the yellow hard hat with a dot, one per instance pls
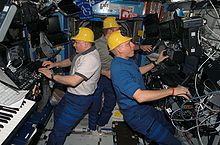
(115, 39)
(110, 22)
(84, 34)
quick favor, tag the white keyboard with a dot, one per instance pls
(9, 96)
(10, 118)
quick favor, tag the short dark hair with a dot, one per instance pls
(106, 30)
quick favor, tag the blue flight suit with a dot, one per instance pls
(104, 86)
(78, 100)
(70, 110)
(103, 112)
(127, 79)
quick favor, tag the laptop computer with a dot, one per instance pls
(5, 79)
(23, 77)
(54, 33)
(68, 7)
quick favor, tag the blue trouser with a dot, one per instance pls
(70, 110)
(103, 113)
(152, 124)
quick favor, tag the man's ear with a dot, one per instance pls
(118, 49)
(109, 31)
(87, 44)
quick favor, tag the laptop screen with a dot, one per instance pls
(54, 33)
(2, 4)
(68, 7)
(53, 25)
(5, 79)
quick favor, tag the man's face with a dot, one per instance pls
(127, 49)
(80, 46)
(114, 29)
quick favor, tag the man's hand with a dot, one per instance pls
(48, 64)
(106, 73)
(182, 91)
(161, 57)
(146, 48)
(46, 71)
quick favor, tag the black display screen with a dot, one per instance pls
(68, 7)
(2, 4)
(3, 55)
(54, 24)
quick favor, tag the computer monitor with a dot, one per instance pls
(3, 56)
(12, 54)
(54, 33)
(151, 24)
(53, 24)
(2, 4)
(68, 7)
(7, 13)
(167, 30)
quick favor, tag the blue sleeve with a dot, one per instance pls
(124, 82)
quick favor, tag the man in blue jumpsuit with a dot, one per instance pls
(105, 87)
(131, 93)
(81, 82)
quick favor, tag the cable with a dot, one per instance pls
(20, 64)
(208, 118)
(200, 124)
(206, 40)
(213, 32)
(199, 41)
(200, 115)
(204, 83)
(4, 46)
(211, 15)
(197, 128)
(214, 9)
(200, 107)
(211, 108)
(199, 70)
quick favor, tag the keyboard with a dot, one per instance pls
(9, 96)
(12, 118)
(25, 76)
(6, 17)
